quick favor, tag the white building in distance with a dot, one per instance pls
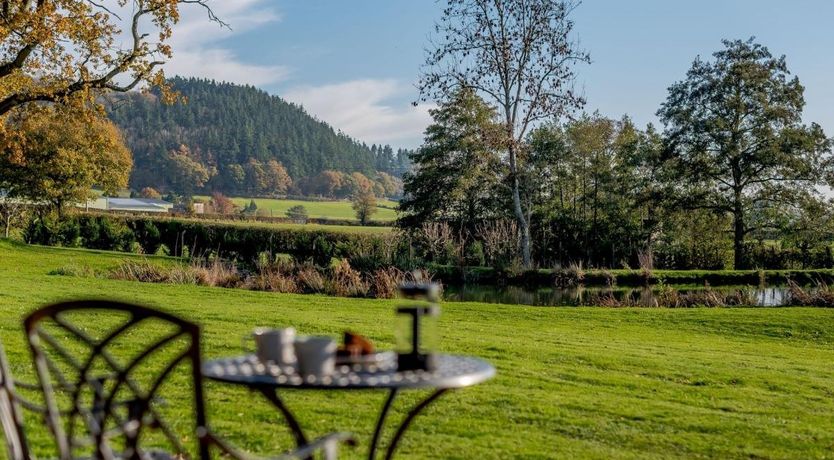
(128, 204)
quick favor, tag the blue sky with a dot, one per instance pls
(354, 63)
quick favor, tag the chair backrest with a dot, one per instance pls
(100, 367)
(10, 415)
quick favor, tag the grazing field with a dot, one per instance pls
(336, 209)
(292, 226)
(571, 383)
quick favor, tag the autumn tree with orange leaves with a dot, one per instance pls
(60, 50)
(57, 58)
(49, 158)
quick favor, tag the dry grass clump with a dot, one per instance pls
(140, 270)
(277, 275)
(608, 300)
(310, 280)
(344, 281)
(610, 278)
(672, 298)
(274, 274)
(218, 273)
(572, 275)
(181, 274)
(215, 273)
(385, 282)
(668, 297)
(273, 281)
(821, 296)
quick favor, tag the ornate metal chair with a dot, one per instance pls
(10, 413)
(102, 392)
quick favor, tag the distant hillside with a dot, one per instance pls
(229, 131)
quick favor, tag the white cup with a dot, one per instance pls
(274, 345)
(316, 356)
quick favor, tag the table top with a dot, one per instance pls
(453, 371)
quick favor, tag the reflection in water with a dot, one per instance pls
(769, 296)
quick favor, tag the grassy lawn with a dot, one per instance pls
(572, 382)
(336, 209)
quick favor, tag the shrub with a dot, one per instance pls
(141, 270)
(385, 282)
(136, 248)
(69, 234)
(216, 272)
(298, 213)
(150, 192)
(274, 281)
(475, 254)
(221, 204)
(344, 281)
(112, 234)
(570, 276)
(821, 296)
(162, 250)
(310, 280)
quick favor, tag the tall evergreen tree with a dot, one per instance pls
(456, 171)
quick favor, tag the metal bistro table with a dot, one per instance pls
(452, 372)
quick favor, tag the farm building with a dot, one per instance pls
(129, 204)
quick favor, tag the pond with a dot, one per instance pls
(765, 296)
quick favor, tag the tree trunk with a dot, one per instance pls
(523, 225)
(738, 235)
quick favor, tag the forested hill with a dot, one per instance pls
(228, 129)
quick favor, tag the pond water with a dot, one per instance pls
(766, 296)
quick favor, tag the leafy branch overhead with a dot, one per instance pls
(54, 50)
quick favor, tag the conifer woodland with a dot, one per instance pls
(240, 140)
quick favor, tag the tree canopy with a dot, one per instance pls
(457, 171)
(258, 144)
(52, 156)
(53, 50)
(363, 202)
(734, 127)
(517, 55)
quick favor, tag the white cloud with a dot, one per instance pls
(361, 109)
(197, 43)
(222, 65)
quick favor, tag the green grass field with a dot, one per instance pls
(571, 383)
(292, 226)
(336, 209)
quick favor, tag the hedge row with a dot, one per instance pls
(366, 251)
(244, 244)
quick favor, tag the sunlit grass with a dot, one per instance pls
(571, 383)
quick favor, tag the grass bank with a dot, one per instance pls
(625, 277)
(572, 382)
